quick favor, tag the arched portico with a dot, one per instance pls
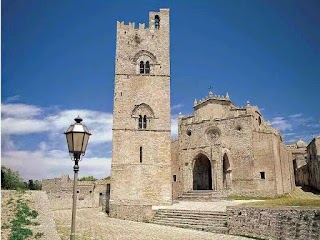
(202, 173)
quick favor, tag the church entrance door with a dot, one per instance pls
(202, 175)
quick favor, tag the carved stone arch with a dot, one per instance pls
(142, 109)
(202, 172)
(145, 53)
(228, 153)
(198, 154)
(226, 170)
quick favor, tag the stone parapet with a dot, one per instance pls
(274, 223)
(140, 213)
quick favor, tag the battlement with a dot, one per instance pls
(211, 97)
(154, 22)
(130, 26)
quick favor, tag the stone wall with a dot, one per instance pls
(141, 157)
(265, 223)
(60, 192)
(313, 161)
(298, 156)
(176, 167)
(140, 213)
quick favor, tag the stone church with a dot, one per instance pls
(221, 148)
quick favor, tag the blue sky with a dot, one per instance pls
(58, 63)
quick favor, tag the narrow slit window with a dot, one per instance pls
(262, 175)
(156, 22)
(140, 122)
(141, 154)
(141, 67)
(174, 178)
(147, 67)
(144, 124)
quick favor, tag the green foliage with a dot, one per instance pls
(106, 178)
(88, 178)
(23, 213)
(10, 179)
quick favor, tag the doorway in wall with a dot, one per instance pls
(202, 174)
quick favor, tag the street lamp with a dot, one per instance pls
(77, 138)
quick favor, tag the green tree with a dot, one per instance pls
(88, 178)
(11, 179)
(37, 185)
(106, 178)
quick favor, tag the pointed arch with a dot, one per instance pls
(202, 173)
(142, 109)
(145, 53)
(226, 172)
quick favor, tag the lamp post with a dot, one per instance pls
(77, 138)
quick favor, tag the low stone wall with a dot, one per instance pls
(270, 223)
(140, 213)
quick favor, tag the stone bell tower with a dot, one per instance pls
(141, 160)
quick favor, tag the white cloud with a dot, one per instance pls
(13, 98)
(42, 164)
(20, 110)
(298, 115)
(174, 126)
(23, 126)
(281, 124)
(21, 119)
(177, 106)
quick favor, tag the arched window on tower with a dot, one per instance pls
(140, 122)
(144, 124)
(141, 67)
(157, 22)
(147, 67)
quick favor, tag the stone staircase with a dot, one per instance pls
(198, 220)
(203, 196)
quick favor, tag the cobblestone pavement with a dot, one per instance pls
(220, 206)
(93, 224)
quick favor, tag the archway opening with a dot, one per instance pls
(202, 174)
(226, 172)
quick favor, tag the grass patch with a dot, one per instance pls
(22, 219)
(246, 198)
(285, 201)
(296, 198)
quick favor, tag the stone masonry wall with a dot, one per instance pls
(141, 157)
(265, 223)
(313, 160)
(176, 167)
(60, 192)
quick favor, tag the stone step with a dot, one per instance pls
(191, 221)
(198, 220)
(203, 196)
(191, 216)
(192, 212)
(214, 229)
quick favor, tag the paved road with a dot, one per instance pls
(93, 224)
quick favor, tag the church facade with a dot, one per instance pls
(221, 148)
(230, 149)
